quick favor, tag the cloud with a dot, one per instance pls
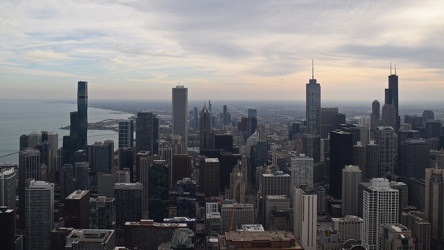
(45, 55)
(215, 45)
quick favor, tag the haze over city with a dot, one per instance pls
(247, 50)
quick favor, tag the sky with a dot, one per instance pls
(221, 50)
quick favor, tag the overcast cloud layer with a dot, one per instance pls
(220, 49)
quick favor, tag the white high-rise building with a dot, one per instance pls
(180, 114)
(301, 171)
(351, 176)
(39, 197)
(8, 179)
(305, 203)
(380, 205)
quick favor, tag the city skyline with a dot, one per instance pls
(260, 49)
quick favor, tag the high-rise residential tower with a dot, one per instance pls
(180, 114)
(82, 109)
(380, 205)
(313, 106)
(305, 213)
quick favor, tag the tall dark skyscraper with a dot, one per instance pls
(375, 116)
(126, 134)
(313, 106)
(73, 135)
(312, 138)
(158, 191)
(180, 114)
(391, 95)
(252, 121)
(147, 132)
(205, 128)
(341, 154)
(82, 109)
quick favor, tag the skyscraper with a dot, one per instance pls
(391, 95)
(158, 191)
(341, 154)
(126, 133)
(252, 121)
(414, 159)
(29, 167)
(7, 229)
(301, 171)
(313, 106)
(102, 213)
(147, 132)
(384, 137)
(205, 128)
(77, 209)
(434, 190)
(39, 214)
(305, 213)
(209, 170)
(351, 176)
(82, 110)
(180, 114)
(129, 201)
(375, 115)
(380, 205)
(101, 158)
(8, 179)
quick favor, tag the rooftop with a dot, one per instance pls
(77, 195)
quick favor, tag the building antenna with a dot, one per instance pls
(312, 69)
(395, 69)
(390, 67)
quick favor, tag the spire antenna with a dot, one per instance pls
(390, 67)
(312, 69)
(395, 69)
